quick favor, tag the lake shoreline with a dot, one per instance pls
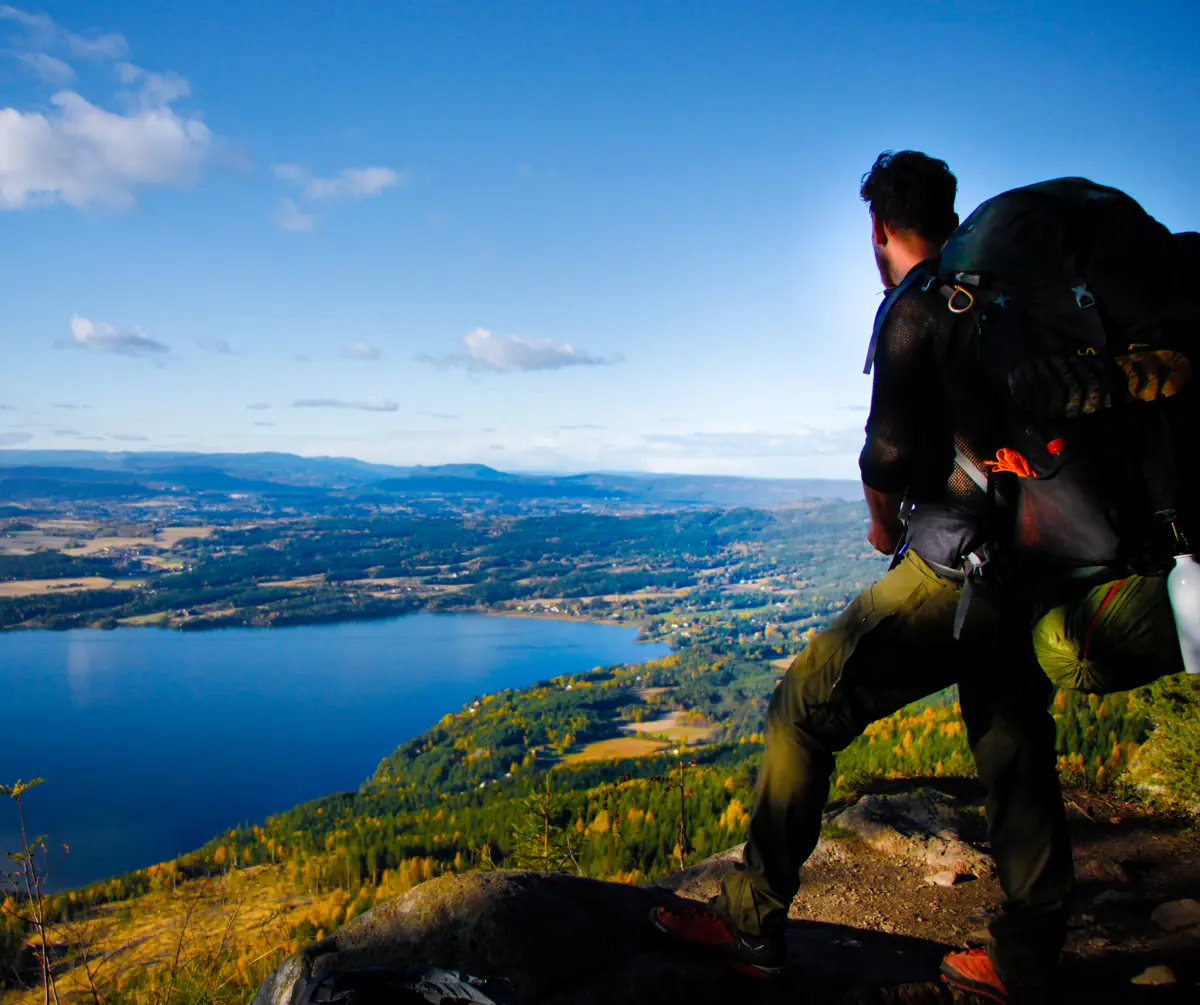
(246, 724)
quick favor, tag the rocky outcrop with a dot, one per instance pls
(553, 939)
(926, 827)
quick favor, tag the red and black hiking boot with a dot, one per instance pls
(702, 927)
(973, 971)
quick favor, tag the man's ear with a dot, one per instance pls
(878, 231)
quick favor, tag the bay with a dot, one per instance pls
(153, 741)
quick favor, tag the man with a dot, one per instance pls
(897, 642)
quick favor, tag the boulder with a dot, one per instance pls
(924, 826)
(1177, 914)
(553, 939)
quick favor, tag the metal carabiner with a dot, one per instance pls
(954, 296)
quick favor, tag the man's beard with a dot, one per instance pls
(885, 269)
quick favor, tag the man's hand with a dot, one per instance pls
(885, 528)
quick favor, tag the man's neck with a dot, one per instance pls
(909, 252)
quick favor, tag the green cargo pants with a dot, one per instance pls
(891, 646)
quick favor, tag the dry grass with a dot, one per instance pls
(198, 931)
(614, 749)
(165, 539)
(32, 587)
(670, 729)
(168, 537)
(298, 583)
(28, 543)
(69, 527)
(157, 618)
(651, 594)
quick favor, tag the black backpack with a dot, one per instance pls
(1082, 315)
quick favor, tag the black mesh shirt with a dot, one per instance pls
(925, 403)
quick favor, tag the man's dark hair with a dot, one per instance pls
(911, 191)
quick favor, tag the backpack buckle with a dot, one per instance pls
(956, 305)
(1083, 296)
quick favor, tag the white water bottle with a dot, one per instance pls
(1183, 588)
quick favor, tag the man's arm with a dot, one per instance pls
(893, 427)
(885, 528)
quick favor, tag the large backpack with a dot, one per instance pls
(1082, 313)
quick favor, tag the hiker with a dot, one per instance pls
(896, 643)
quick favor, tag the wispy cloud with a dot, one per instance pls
(259, 406)
(264, 423)
(802, 443)
(210, 343)
(579, 426)
(6, 408)
(362, 350)
(487, 352)
(349, 183)
(49, 68)
(42, 32)
(152, 90)
(14, 439)
(289, 216)
(440, 415)
(129, 438)
(80, 153)
(101, 337)
(854, 408)
(358, 406)
(70, 406)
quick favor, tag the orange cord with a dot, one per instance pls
(1009, 460)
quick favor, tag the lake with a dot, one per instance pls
(153, 741)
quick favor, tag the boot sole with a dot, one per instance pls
(987, 991)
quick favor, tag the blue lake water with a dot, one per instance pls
(153, 741)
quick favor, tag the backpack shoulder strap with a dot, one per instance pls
(919, 273)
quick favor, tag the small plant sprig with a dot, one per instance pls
(28, 880)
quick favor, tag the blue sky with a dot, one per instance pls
(573, 235)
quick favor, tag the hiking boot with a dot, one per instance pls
(973, 971)
(701, 926)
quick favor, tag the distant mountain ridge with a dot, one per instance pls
(30, 474)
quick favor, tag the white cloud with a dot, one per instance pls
(129, 438)
(105, 338)
(80, 153)
(362, 350)
(12, 439)
(259, 406)
(485, 351)
(290, 217)
(210, 343)
(349, 183)
(358, 406)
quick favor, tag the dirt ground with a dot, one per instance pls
(1127, 863)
